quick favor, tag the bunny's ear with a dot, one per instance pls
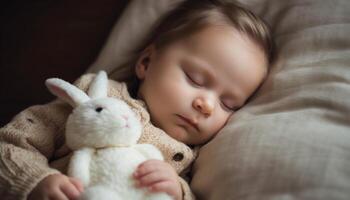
(99, 86)
(66, 91)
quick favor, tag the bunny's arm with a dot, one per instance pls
(149, 151)
(79, 166)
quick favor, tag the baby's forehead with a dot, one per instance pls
(219, 37)
(225, 56)
(224, 44)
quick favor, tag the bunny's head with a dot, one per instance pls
(97, 121)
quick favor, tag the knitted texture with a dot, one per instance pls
(32, 145)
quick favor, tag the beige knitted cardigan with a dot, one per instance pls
(32, 145)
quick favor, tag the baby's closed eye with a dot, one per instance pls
(195, 79)
(229, 105)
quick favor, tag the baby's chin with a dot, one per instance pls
(178, 133)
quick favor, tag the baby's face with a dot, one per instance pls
(192, 86)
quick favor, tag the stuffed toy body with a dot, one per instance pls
(103, 134)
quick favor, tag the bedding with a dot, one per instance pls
(292, 140)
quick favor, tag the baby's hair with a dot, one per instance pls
(194, 15)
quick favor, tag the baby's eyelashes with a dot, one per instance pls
(229, 104)
(197, 81)
(228, 108)
(194, 80)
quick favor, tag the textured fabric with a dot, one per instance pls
(292, 140)
(32, 144)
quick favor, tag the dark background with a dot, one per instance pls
(48, 38)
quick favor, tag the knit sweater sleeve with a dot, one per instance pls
(27, 144)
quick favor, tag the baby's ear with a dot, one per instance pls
(144, 61)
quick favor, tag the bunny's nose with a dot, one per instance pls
(125, 117)
(126, 120)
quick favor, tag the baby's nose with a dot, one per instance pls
(205, 106)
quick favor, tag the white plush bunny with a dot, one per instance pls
(103, 132)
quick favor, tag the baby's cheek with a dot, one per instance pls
(213, 128)
(177, 132)
(177, 93)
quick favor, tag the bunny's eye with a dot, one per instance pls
(99, 109)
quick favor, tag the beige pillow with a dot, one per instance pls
(292, 140)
